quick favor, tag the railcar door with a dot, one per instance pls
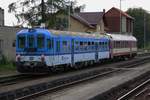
(111, 47)
(96, 53)
(50, 47)
(72, 52)
(57, 52)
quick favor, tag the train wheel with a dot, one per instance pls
(21, 69)
(54, 69)
(85, 64)
(78, 66)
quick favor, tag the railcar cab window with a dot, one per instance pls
(31, 41)
(21, 42)
(40, 41)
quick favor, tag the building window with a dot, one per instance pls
(1, 44)
(14, 43)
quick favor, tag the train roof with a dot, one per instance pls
(55, 33)
(121, 37)
(78, 34)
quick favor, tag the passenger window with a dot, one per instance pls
(99, 43)
(68, 43)
(76, 45)
(92, 43)
(105, 44)
(40, 41)
(81, 46)
(76, 42)
(49, 43)
(81, 43)
(89, 43)
(58, 46)
(64, 43)
(85, 45)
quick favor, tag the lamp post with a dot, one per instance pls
(69, 19)
(145, 27)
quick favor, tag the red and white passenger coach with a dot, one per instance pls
(122, 46)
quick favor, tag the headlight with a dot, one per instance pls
(42, 58)
(18, 57)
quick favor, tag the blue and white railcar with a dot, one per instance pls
(40, 50)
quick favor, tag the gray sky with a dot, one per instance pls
(91, 5)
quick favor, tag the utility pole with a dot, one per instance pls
(120, 19)
(144, 30)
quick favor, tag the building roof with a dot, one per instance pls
(82, 20)
(78, 34)
(123, 13)
(89, 18)
(92, 17)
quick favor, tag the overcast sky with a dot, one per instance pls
(91, 5)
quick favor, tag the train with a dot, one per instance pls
(40, 50)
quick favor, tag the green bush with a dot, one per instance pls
(6, 65)
(3, 60)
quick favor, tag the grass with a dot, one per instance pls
(7, 67)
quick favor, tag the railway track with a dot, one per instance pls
(18, 78)
(27, 97)
(43, 88)
(133, 64)
(137, 91)
(65, 85)
(12, 79)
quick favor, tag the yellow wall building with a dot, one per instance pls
(85, 22)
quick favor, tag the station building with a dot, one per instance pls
(7, 38)
(119, 21)
(85, 22)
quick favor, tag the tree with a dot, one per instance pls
(140, 14)
(35, 12)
